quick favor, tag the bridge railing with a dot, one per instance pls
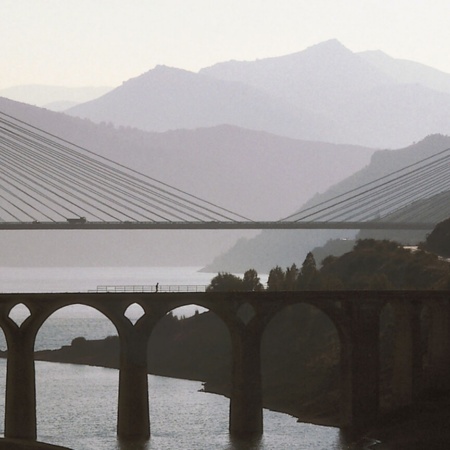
(151, 288)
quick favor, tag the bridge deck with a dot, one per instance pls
(246, 225)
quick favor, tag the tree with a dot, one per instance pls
(309, 275)
(251, 281)
(224, 282)
(276, 279)
(290, 279)
(438, 241)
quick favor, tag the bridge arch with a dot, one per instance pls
(67, 328)
(321, 322)
(83, 313)
(197, 347)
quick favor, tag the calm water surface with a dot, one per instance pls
(77, 405)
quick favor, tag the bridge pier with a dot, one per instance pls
(437, 371)
(407, 359)
(20, 402)
(360, 366)
(246, 411)
(133, 420)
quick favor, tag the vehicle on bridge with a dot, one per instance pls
(76, 220)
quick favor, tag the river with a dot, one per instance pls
(77, 405)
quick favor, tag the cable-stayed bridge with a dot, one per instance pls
(49, 183)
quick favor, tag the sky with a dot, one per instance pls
(106, 42)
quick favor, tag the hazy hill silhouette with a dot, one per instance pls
(404, 71)
(325, 93)
(56, 98)
(270, 248)
(256, 173)
(319, 77)
(372, 103)
(166, 98)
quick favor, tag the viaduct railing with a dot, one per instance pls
(151, 288)
(355, 314)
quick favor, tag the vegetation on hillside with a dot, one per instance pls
(438, 241)
(371, 264)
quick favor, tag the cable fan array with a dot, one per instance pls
(45, 178)
(419, 192)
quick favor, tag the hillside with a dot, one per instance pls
(227, 165)
(271, 248)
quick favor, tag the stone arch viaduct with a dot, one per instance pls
(355, 314)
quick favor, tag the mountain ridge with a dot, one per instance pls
(167, 98)
(324, 93)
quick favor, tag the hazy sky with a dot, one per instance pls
(104, 42)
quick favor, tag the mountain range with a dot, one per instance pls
(326, 93)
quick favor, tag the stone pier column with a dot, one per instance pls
(362, 368)
(246, 415)
(417, 353)
(20, 407)
(438, 370)
(133, 422)
(407, 358)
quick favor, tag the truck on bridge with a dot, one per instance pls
(76, 220)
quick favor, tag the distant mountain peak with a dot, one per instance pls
(325, 50)
(159, 73)
(164, 68)
(333, 44)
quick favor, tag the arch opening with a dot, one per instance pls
(134, 312)
(196, 349)
(81, 394)
(19, 313)
(301, 365)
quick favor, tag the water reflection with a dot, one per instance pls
(245, 444)
(233, 444)
(73, 398)
(123, 444)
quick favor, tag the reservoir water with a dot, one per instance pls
(77, 405)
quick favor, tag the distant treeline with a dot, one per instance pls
(372, 265)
